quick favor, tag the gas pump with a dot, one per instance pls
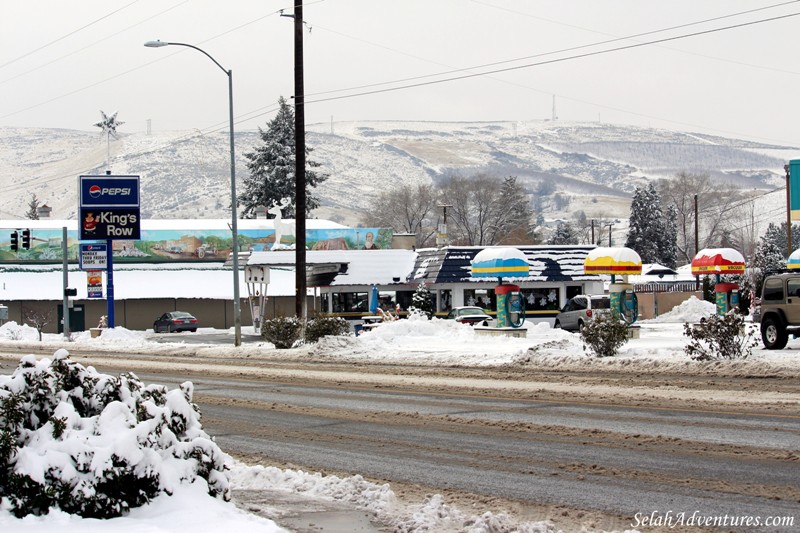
(727, 297)
(510, 306)
(623, 301)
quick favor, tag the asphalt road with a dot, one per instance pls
(595, 450)
(611, 459)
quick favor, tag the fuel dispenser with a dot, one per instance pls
(510, 306)
(623, 301)
(498, 263)
(720, 261)
(727, 297)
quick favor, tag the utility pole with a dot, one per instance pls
(788, 214)
(300, 163)
(593, 231)
(696, 240)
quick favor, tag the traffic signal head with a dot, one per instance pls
(14, 241)
(26, 239)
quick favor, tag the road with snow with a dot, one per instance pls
(609, 446)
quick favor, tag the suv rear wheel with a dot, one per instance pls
(773, 333)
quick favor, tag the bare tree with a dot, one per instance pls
(487, 210)
(37, 318)
(406, 209)
(715, 204)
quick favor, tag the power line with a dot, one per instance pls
(557, 60)
(67, 35)
(114, 34)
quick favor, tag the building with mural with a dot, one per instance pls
(183, 241)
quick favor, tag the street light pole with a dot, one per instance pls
(237, 314)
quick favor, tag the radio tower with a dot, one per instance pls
(554, 117)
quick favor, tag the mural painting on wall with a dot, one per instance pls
(169, 245)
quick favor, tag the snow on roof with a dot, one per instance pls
(144, 282)
(547, 263)
(364, 267)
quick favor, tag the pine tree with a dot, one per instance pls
(33, 208)
(669, 250)
(565, 234)
(272, 168)
(422, 300)
(652, 234)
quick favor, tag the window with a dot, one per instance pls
(348, 302)
(773, 290)
(545, 299)
(793, 288)
(483, 298)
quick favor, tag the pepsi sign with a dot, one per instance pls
(109, 191)
(109, 207)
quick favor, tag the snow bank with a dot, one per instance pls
(691, 310)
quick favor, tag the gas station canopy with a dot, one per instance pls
(793, 263)
(500, 262)
(718, 261)
(618, 260)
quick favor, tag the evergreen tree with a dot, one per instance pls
(652, 234)
(669, 250)
(33, 208)
(422, 300)
(272, 168)
(565, 234)
(769, 255)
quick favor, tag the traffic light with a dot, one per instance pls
(14, 241)
(26, 239)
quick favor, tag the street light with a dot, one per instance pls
(237, 315)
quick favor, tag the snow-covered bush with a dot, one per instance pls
(326, 325)
(96, 445)
(282, 331)
(422, 301)
(720, 337)
(604, 334)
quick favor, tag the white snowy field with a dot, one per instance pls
(414, 341)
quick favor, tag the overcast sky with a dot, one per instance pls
(62, 62)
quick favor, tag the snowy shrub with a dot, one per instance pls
(422, 301)
(326, 325)
(283, 331)
(604, 334)
(96, 445)
(720, 337)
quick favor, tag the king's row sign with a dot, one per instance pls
(109, 207)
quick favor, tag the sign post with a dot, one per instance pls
(109, 210)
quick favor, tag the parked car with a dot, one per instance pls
(580, 309)
(469, 315)
(175, 321)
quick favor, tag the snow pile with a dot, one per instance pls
(95, 445)
(434, 514)
(18, 332)
(440, 341)
(691, 310)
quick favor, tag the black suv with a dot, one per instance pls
(780, 309)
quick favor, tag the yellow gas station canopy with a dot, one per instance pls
(618, 260)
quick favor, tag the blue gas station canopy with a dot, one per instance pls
(500, 262)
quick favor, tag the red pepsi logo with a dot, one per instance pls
(94, 191)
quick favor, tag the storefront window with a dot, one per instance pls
(483, 298)
(544, 299)
(348, 302)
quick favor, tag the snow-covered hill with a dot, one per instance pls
(187, 174)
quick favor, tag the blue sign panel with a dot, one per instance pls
(109, 207)
(109, 191)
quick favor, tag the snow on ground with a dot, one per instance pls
(412, 341)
